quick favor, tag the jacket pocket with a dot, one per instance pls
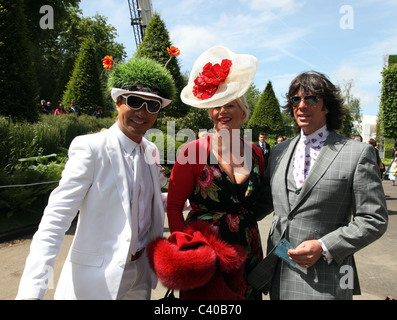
(86, 259)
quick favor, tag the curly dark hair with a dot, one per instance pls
(317, 83)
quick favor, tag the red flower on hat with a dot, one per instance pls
(173, 51)
(207, 83)
(108, 62)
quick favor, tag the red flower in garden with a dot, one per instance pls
(173, 51)
(108, 62)
(206, 84)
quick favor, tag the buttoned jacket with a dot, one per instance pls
(341, 201)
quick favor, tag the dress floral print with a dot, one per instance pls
(228, 206)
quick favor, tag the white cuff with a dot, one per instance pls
(326, 255)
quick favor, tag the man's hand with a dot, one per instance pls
(307, 253)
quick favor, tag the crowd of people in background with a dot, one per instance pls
(386, 173)
(46, 108)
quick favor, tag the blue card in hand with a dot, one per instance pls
(282, 251)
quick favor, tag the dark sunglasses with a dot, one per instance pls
(136, 102)
(310, 99)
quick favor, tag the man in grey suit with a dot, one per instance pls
(327, 198)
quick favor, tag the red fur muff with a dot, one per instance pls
(198, 258)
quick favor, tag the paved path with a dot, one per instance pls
(377, 263)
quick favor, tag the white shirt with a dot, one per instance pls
(146, 194)
(316, 141)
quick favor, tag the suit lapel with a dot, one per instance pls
(152, 159)
(282, 162)
(117, 163)
(328, 153)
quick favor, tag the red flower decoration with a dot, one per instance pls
(108, 62)
(207, 83)
(173, 51)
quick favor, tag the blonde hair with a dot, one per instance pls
(243, 105)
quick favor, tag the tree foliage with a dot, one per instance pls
(37, 62)
(55, 50)
(392, 60)
(351, 124)
(76, 31)
(267, 115)
(348, 128)
(18, 83)
(84, 86)
(252, 95)
(47, 48)
(154, 46)
(388, 102)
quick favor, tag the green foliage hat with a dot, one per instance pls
(143, 76)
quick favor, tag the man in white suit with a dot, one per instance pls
(327, 198)
(112, 179)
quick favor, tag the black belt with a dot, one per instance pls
(137, 255)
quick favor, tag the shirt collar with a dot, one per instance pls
(317, 138)
(126, 143)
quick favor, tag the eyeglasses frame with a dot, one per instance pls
(143, 98)
(306, 99)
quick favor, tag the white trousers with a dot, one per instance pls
(136, 283)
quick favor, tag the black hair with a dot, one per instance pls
(318, 84)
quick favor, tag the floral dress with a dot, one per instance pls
(219, 201)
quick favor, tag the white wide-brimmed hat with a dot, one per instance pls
(238, 78)
(143, 91)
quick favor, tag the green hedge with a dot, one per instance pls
(33, 154)
(47, 136)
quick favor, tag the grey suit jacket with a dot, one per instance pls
(341, 201)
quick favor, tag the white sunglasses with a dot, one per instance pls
(135, 102)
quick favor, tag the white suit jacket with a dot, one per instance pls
(94, 184)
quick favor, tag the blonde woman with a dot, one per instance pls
(220, 174)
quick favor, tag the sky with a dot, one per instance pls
(346, 40)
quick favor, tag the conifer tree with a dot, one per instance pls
(267, 115)
(18, 82)
(154, 46)
(84, 86)
(388, 102)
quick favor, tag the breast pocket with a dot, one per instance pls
(334, 187)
